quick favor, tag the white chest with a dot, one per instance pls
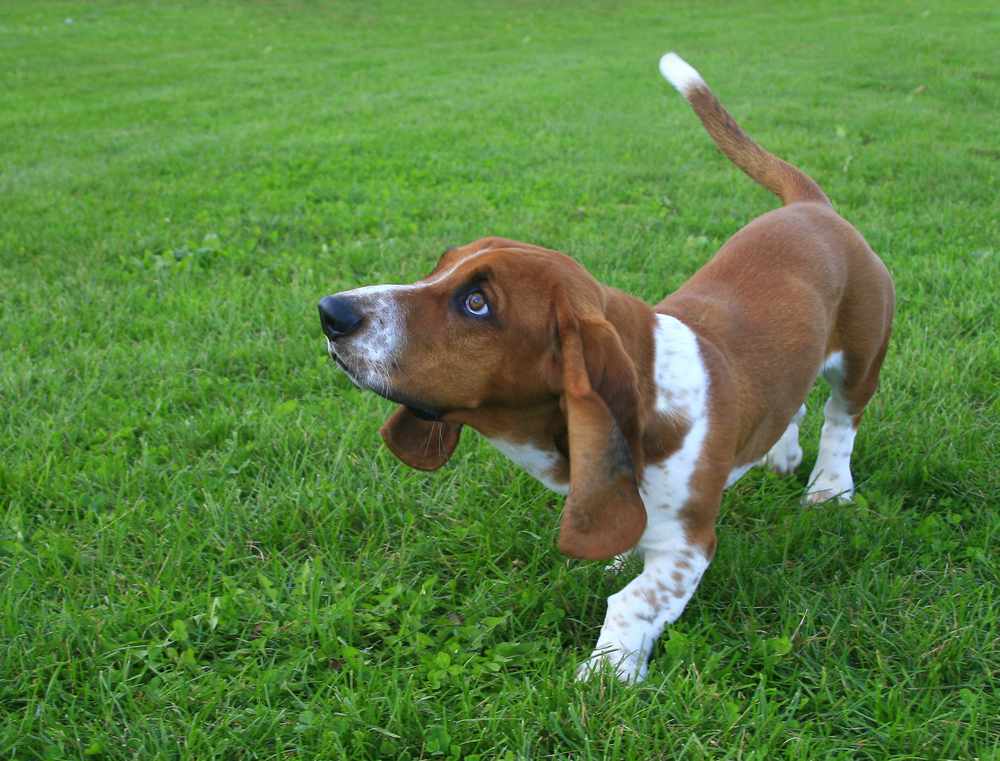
(682, 388)
(538, 462)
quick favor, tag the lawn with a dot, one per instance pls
(206, 551)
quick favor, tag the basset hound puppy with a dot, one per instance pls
(641, 415)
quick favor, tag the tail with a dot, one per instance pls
(789, 183)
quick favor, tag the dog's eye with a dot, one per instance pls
(475, 303)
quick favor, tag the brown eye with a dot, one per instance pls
(475, 303)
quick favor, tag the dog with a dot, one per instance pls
(641, 415)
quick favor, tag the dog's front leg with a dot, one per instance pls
(638, 614)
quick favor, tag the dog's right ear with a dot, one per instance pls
(604, 514)
(421, 444)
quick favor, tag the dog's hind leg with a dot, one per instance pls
(786, 455)
(831, 477)
(850, 392)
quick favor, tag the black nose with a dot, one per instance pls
(337, 317)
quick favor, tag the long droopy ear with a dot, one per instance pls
(421, 444)
(604, 514)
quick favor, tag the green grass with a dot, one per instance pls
(205, 551)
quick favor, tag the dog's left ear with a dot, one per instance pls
(604, 514)
(421, 444)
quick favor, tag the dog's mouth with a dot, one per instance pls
(422, 414)
(349, 370)
(418, 409)
(342, 365)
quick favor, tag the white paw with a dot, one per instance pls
(825, 488)
(630, 668)
(783, 458)
(786, 455)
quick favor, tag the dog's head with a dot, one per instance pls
(498, 326)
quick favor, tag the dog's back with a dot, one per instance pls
(800, 282)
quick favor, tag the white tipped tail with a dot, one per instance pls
(680, 73)
(790, 184)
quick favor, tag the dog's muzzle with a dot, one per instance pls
(339, 318)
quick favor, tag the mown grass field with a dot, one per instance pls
(206, 552)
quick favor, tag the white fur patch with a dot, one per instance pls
(831, 477)
(637, 615)
(680, 73)
(737, 473)
(833, 368)
(384, 330)
(371, 351)
(786, 455)
(540, 463)
(677, 369)
(681, 391)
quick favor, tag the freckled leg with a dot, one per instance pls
(786, 455)
(638, 614)
(831, 477)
